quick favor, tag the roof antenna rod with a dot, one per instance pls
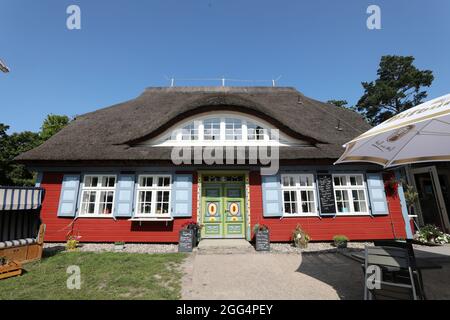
(223, 80)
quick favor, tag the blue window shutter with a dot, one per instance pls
(124, 197)
(378, 203)
(69, 195)
(181, 205)
(272, 198)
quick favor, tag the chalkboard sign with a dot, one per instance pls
(326, 194)
(262, 241)
(186, 240)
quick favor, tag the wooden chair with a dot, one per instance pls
(389, 260)
(412, 258)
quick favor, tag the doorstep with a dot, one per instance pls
(224, 246)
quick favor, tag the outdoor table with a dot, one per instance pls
(421, 263)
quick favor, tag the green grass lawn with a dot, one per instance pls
(106, 275)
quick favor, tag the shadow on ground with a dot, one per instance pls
(343, 274)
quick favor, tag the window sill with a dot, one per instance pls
(305, 215)
(103, 216)
(147, 218)
(352, 214)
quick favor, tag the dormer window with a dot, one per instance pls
(227, 129)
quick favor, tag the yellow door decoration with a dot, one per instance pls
(234, 209)
(212, 209)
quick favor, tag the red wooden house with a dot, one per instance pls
(137, 171)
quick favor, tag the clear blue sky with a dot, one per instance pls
(322, 48)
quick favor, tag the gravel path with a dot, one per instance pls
(171, 248)
(314, 247)
(109, 247)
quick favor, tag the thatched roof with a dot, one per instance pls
(113, 133)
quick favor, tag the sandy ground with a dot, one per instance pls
(317, 276)
(320, 276)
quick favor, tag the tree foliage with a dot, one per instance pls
(52, 124)
(398, 88)
(339, 103)
(12, 145)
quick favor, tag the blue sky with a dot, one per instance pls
(323, 48)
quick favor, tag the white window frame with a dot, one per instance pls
(98, 191)
(298, 188)
(174, 136)
(190, 131)
(235, 130)
(154, 188)
(349, 188)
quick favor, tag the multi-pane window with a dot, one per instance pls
(350, 193)
(222, 128)
(233, 129)
(189, 132)
(254, 132)
(211, 129)
(299, 194)
(153, 195)
(97, 195)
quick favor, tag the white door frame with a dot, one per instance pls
(438, 192)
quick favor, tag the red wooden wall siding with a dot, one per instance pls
(355, 228)
(109, 230)
(105, 229)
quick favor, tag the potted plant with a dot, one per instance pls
(262, 237)
(119, 245)
(411, 197)
(391, 187)
(300, 237)
(431, 235)
(72, 243)
(340, 241)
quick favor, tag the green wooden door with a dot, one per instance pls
(223, 211)
(234, 222)
(212, 211)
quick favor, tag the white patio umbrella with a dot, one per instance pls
(419, 134)
(3, 67)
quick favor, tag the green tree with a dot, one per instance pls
(52, 124)
(11, 146)
(3, 152)
(398, 88)
(339, 103)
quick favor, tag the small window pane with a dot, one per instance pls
(254, 132)
(108, 181)
(356, 180)
(306, 181)
(233, 129)
(189, 132)
(146, 182)
(288, 181)
(91, 181)
(163, 181)
(211, 129)
(340, 181)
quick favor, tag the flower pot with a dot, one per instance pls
(341, 244)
